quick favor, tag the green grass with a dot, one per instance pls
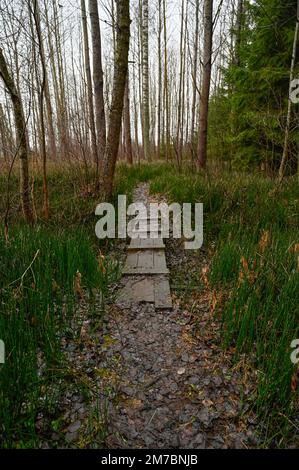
(38, 269)
(38, 301)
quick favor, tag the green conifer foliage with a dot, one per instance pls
(256, 90)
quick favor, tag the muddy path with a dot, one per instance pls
(166, 382)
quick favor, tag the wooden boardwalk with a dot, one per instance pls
(145, 271)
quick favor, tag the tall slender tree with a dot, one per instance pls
(206, 83)
(22, 139)
(194, 72)
(159, 104)
(166, 85)
(61, 91)
(98, 80)
(42, 95)
(127, 124)
(118, 92)
(89, 84)
(289, 111)
(46, 87)
(145, 79)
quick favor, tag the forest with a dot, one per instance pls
(124, 342)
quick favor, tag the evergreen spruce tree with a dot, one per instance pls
(257, 85)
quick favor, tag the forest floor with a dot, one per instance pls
(213, 372)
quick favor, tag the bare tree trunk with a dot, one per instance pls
(119, 84)
(194, 73)
(54, 75)
(145, 80)
(140, 66)
(98, 81)
(50, 125)
(89, 85)
(289, 113)
(22, 140)
(6, 135)
(153, 112)
(63, 118)
(34, 111)
(36, 16)
(159, 78)
(46, 91)
(206, 83)
(240, 11)
(181, 92)
(166, 91)
(113, 26)
(136, 127)
(127, 124)
(185, 109)
(3, 133)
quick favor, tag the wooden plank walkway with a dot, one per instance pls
(145, 271)
(146, 289)
(146, 261)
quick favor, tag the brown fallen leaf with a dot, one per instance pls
(101, 262)
(264, 241)
(77, 285)
(84, 330)
(207, 402)
(204, 275)
(55, 286)
(246, 273)
(294, 248)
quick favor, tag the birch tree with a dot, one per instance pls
(118, 92)
(89, 84)
(166, 83)
(127, 124)
(98, 80)
(289, 111)
(206, 83)
(22, 139)
(42, 95)
(145, 79)
(194, 71)
(159, 105)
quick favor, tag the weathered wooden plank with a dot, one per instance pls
(146, 243)
(162, 293)
(136, 291)
(143, 291)
(146, 262)
(144, 271)
(138, 244)
(155, 233)
(160, 260)
(132, 260)
(145, 259)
